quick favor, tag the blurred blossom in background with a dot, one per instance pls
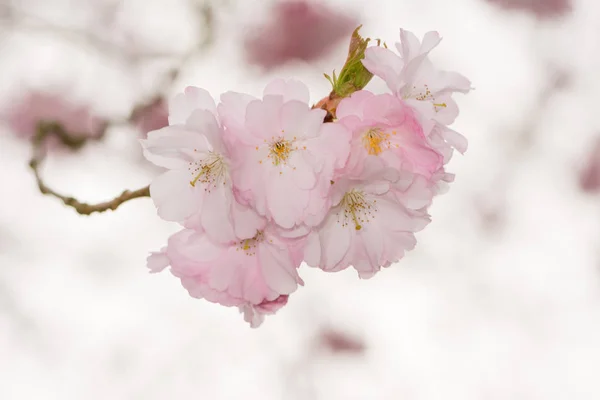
(298, 30)
(25, 114)
(540, 8)
(500, 299)
(589, 179)
(151, 116)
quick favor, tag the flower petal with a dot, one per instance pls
(302, 173)
(263, 120)
(385, 64)
(335, 243)
(216, 212)
(158, 261)
(173, 146)
(353, 105)
(290, 90)
(184, 104)
(298, 120)
(205, 123)
(174, 197)
(279, 273)
(286, 202)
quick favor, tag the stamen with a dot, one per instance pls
(249, 245)
(356, 207)
(376, 141)
(425, 96)
(211, 171)
(280, 151)
(428, 96)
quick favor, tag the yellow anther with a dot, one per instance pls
(376, 141)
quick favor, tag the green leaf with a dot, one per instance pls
(353, 76)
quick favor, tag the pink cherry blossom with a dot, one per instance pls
(285, 156)
(412, 77)
(298, 29)
(255, 274)
(371, 224)
(39, 107)
(263, 184)
(197, 190)
(384, 126)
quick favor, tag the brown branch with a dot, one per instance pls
(329, 104)
(44, 131)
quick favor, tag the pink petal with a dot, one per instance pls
(353, 105)
(333, 143)
(174, 197)
(193, 246)
(409, 46)
(298, 120)
(335, 243)
(373, 239)
(430, 41)
(232, 113)
(173, 146)
(301, 172)
(246, 220)
(263, 120)
(290, 90)
(313, 250)
(206, 124)
(286, 202)
(158, 261)
(252, 316)
(184, 104)
(385, 64)
(216, 211)
(455, 139)
(279, 273)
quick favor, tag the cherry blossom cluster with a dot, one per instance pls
(261, 185)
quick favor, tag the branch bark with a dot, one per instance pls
(44, 131)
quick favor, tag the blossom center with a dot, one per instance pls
(357, 209)
(249, 245)
(376, 141)
(280, 150)
(210, 171)
(428, 96)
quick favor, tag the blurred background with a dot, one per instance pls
(500, 299)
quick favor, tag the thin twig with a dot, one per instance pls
(44, 131)
(329, 104)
